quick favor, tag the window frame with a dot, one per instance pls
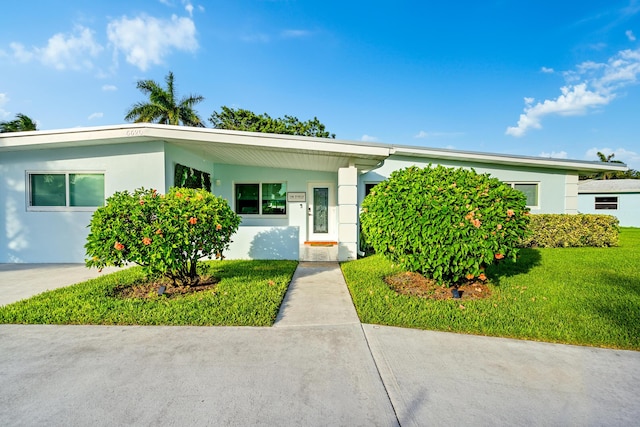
(260, 213)
(67, 207)
(536, 183)
(601, 205)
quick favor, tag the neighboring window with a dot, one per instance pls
(608, 203)
(261, 198)
(529, 189)
(63, 190)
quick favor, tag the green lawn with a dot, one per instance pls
(584, 296)
(249, 293)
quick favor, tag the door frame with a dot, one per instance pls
(331, 214)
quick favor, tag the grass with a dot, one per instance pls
(583, 296)
(249, 293)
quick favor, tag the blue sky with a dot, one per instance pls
(541, 78)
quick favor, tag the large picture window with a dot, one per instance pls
(530, 190)
(51, 190)
(261, 198)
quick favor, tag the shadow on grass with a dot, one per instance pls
(527, 259)
(620, 303)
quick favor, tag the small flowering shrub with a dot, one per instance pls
(166, 234)
(572, 231)
(447, 224)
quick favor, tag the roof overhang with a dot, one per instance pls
(219, 146)
(509, 160)
(275, 150)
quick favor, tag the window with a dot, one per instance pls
(65, 190)
(529, 189)
(608, 203)
(261, 198)
(368, 186)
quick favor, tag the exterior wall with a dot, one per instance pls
(261, 237)
(556, 192)
(628, 212)
(59, 236)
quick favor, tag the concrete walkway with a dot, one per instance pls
(317, 366)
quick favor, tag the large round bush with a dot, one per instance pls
(166, 234)
(444, 223)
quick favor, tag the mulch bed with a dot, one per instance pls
(149, 290)
(415, 284)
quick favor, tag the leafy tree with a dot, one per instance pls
(630, 174)
(445, 223)
(163, 107)
(245, 120)
(165, 234)
(21, 123)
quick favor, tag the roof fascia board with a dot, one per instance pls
(540, 162)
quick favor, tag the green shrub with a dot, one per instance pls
(165, 234)
(447, 224)
(562, 231)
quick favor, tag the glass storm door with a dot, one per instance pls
(319, 208)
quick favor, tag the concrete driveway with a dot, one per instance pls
(317, 366)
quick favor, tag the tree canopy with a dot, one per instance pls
(630, 174)
(163, 107)
(21, 123)
(245, 120)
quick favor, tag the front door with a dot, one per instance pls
(321, 211)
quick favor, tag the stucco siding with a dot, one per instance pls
(552, 184)
(628, 212)
(59, 236)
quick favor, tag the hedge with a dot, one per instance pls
(565, 230)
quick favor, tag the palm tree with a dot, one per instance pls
(163, 107)
(21, 123)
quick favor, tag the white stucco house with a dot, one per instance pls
(617, 197)
(299, 197)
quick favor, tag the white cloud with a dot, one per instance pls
(555, 154)
(95, 116)
(590, 85)
(631, 158)
(146, 40)
(630, 35)
(63, 51)
(3, 100)
(188, 7)
(109, 88)
(547, 70)
(423, 134)
(295, 34)
(368, 138)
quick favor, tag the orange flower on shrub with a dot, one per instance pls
(178, 195)
(141, 202)
(146, 241)
(476, 223)
(482, 277)
(218, 227)
(193, 220)
(499, 227)
(499, 256)
(118, 246)
(510, 213)
(470, 276)
(159, 232)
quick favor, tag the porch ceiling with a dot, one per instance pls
(277, 157)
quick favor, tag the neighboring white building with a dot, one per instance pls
(299, 197)
(618, 197)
